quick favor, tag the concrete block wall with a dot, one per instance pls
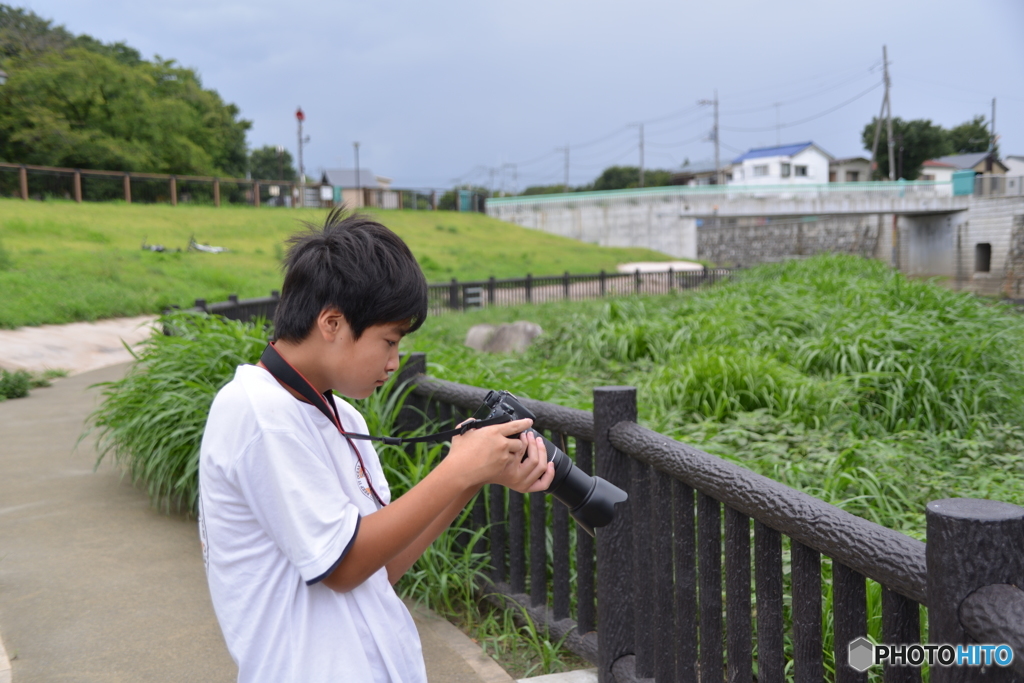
(994, 221)
(779, 239)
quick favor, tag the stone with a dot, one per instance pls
(479, 335)
(513, 337)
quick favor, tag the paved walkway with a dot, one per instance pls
(97, 586)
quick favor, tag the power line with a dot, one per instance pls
(809, 118)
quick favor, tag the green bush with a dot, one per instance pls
(14, 384)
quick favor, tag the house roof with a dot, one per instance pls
(778, 151)
(961, 161)
(847, 160)
(935, 163)
(697, 168)
(346, 177)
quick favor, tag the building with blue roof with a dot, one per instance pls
(793, 164)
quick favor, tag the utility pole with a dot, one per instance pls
(300, 117)
(641, 127)
(714, 136)
(359, 180)
(566, 151)
(992, 141)
(886, 111)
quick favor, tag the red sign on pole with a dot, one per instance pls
(299, 115)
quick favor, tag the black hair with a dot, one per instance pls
(355, 265)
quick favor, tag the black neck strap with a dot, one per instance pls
(285, 373)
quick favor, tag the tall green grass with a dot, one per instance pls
(834, 375)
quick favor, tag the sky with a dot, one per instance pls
(464, 91)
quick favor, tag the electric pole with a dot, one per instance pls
(992, 142)
(714, 136)
(359, 180)
(641, 127)
(886, 111)
(300, 117)
(566, 151)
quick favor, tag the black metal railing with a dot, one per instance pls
(461, 296)
(662, 567)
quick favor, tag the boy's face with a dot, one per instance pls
(355, 367)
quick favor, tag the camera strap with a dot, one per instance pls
(285, 372)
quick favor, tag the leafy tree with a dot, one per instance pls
(547, 189)
(266, 163)
(446, 202)
(920, 140)
(623, 177)
(970, 136)
(74, 101)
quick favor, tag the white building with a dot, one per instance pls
(800, 163)
(1014, 165)
(849, 170)
(368, 189)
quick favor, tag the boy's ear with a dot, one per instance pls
(331, 323)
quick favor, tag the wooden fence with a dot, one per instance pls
(27, 181)
(649, 594)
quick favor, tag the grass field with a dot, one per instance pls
(62, 262)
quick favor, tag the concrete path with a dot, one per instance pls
(97, 586)
(76, 347)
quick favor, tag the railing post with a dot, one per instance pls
(529, 288)
(23, 181)
(216, 192)
(671, 279)
(971, 544)
(127, 188)
(637, 281)
(77, 186)
(565, 284)
(602, 277)
(453, 295)
(614, 542)
(173, 186)
(490, 291)
(256, 195)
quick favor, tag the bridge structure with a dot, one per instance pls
(973, 239)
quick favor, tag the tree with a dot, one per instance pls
(970, 136)
(74, 101)
(266, 163)
(623, 177)
(916, 142)
(546, 189)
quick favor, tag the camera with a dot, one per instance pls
(591, 500)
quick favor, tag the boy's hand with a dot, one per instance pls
(482, 455)
(532, 473)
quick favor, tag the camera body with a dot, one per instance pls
(591, 500)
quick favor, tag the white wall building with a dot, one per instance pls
(801, 163)
(1014, 165)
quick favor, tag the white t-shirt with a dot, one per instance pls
(281, 495)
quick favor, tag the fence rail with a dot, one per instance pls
(998, 186)
(461, 296)
(26, 181)
(649, 593)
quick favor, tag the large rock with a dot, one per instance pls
(508, 338)
(479, 335)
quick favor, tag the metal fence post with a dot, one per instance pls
(529, 288)
(614, 542)
(490, 290)
(565, 284)
(604, 285)
(637, 283)
(453, 295)
(971, 544)
(671, 279)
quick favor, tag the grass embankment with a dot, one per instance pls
(63, 262)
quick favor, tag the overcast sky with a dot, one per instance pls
(442, 91)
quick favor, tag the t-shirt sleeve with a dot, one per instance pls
(299, 501)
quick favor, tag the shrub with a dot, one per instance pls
(14, 384)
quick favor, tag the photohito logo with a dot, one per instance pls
(863, 654)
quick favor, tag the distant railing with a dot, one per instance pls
(27, 181)
(461, 296)
(654, 195)
(664, 595)
(998, 186)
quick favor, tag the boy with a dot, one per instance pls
(301, 541)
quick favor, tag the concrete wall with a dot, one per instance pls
(991, 220)
(780, 239)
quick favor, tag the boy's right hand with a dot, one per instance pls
(482, 455)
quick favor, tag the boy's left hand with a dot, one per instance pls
(531, 473)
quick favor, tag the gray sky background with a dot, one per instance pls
(439, 92)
